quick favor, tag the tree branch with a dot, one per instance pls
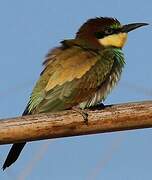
(70, 123)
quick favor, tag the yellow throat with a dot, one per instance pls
(116, 40)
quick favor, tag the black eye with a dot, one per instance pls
(108, 31)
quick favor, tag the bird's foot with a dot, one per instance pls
(83, 113)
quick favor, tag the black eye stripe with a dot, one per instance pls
(110, 31)
(106, 32)
(99, 35)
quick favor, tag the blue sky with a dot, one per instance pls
(28, 29)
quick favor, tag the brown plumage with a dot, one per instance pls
(87, 30)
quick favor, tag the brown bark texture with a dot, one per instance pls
(112, 118)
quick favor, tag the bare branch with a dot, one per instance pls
(70, 123)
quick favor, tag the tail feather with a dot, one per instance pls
(15, 149)
(13, 154)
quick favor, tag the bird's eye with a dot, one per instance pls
(102, 34)
(108, 31)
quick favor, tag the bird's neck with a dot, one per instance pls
(86, 44)
(119, 56)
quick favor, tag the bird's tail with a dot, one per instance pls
(15, 149)
(13, 154)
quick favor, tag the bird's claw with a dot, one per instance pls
(85, 116)
(83, 113)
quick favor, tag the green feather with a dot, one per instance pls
(89, 90)
(111, 80)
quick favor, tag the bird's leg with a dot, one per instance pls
(82, 112)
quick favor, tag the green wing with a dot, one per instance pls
(71, 76)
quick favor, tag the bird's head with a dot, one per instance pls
(105, 32)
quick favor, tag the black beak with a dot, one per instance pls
(129, 27)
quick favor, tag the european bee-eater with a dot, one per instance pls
(80, 72)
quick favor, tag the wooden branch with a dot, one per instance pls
(70, 123)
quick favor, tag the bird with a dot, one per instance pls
(80, 72)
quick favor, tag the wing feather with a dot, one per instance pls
(70, 78)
